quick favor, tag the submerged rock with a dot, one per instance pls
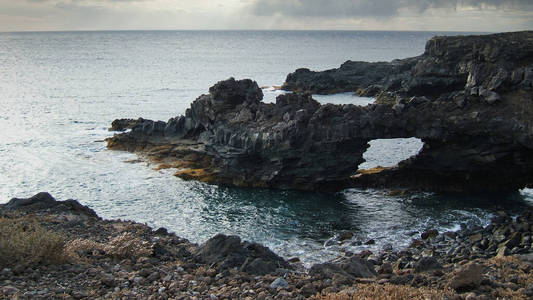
(468, 98)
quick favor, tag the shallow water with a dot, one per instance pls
(59, 93)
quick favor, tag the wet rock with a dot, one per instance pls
(279, 283)
(346, 236)
(502, 251)
(123, 124)
(9, 290)
(108, 280)
(429, 234)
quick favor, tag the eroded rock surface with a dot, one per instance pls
(477, 64)
(468, 98)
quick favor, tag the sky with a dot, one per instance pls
(432, 15)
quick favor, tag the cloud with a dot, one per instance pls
(374, 8)
(445, 15)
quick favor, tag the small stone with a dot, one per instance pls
(385, 268)
(429, 234)
(370, 242)
(346, 236)
(138, 280)
(153, 277)
(18, 269)
(475, 237)
(9, 290)
(279, 283)
(108, 280)
(294, 260)
(161, 231)
(502, 251)
(167, 278)
(398, 108)
(490, 96)
(161, 290)
(387, 247)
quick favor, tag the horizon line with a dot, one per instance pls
(252, 30)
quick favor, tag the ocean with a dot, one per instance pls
(60, 91)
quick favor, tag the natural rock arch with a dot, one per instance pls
(477, 128)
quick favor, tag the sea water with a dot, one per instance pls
(59, 92)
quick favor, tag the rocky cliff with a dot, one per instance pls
(469, 99)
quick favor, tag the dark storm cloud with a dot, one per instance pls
(373, 8)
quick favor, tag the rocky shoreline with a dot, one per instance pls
(114, 259)
(468, 98)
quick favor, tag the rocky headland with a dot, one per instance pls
(62, 250)
(468, 98)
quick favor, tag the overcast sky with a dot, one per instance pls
(442, 15)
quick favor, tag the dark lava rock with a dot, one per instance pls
(467, 277)
(123, 124)
(229, 252)
(230, 137)
(427, 264)
(45, 201)
(429, 234)
(483, 64)
(350, 269)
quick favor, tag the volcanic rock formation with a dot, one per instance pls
(469, 99)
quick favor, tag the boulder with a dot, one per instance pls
(427, 264)
(349, 269)
(227, 252)
(467, 277)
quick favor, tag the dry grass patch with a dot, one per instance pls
(125, 245)
(376, 291)
(24, 240)
(509, 269)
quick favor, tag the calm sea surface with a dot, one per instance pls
(59, 93)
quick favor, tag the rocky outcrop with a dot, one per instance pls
(123, 124)
(476, 64)
(230, 137)
(468, 98)
(229, 252)
(45, 201)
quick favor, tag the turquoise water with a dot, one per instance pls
(60, 91)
